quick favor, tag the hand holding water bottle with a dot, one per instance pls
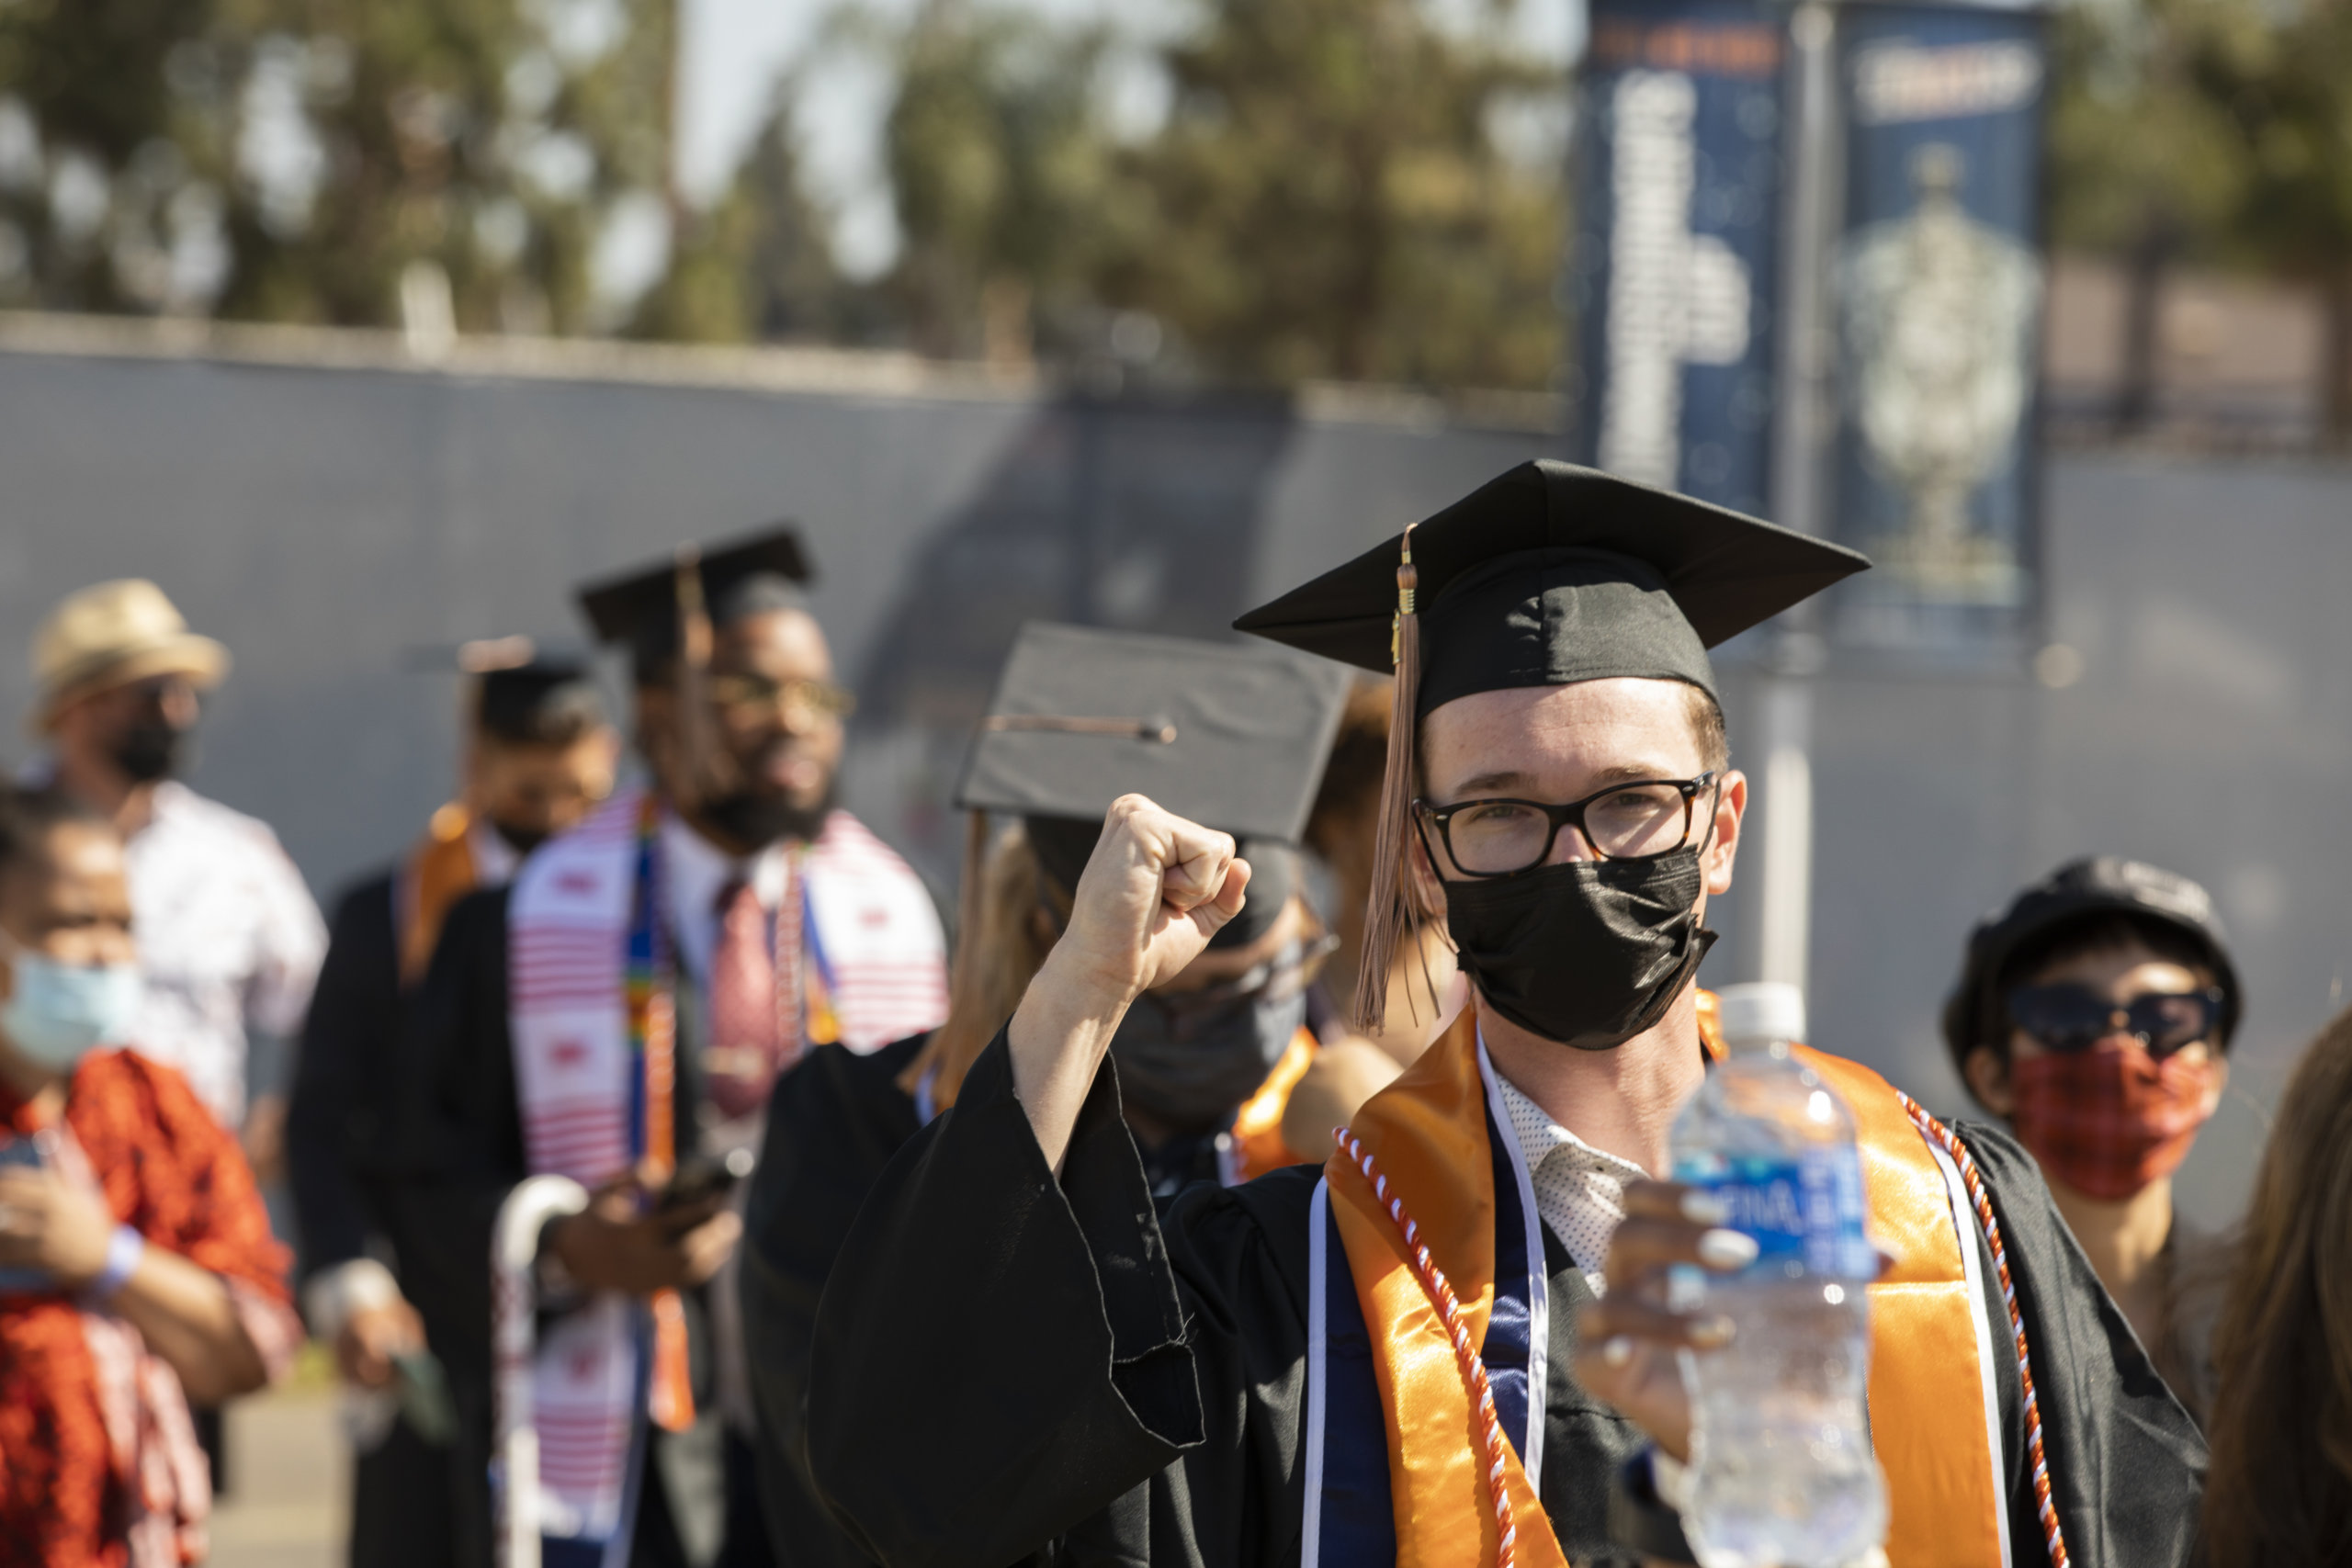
(1749, 1276)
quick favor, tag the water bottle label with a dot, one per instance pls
(1805, 1211)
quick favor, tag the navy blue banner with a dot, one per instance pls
(1672, 279)
(1938, 307)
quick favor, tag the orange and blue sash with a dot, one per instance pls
(1390, 1424)
(1350, 1510)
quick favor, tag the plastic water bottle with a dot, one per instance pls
(1781, 1472)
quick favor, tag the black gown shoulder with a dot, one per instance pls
(2127, 1462)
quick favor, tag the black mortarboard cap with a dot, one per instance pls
(739, 577)
(1231, 736)
(1551, 574)
(2079, 890)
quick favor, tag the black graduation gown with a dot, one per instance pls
(457, 1152)
(1007, 1366)
(400, 1490)
(834, 1122)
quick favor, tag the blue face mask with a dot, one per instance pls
(57, 1013)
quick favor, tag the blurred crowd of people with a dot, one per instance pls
(665, 1192)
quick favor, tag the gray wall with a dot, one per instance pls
(325, 523)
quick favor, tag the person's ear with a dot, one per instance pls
(1987, 1073)
(1723, 843)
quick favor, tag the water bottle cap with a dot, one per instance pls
(1759, 1012)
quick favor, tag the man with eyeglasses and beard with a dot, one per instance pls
(2095, 1015)
(1454, 1343)
(617, 1016)
(229, 937)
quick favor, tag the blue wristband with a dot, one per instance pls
(123, 1252)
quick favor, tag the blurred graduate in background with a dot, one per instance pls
(540, 754)
(619, 1016)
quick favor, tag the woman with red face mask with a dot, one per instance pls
(2095, 1014)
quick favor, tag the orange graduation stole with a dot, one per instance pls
(1420, 1163)
(440, 872)
(1258, 1142)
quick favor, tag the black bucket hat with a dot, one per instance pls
(2096, 885)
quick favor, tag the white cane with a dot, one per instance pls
(514, 1254)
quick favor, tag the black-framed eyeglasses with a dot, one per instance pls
(1278, 979)
(2069, 1018)
(1626, 821)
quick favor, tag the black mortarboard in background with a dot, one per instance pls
(527, 697)
(1231, 736)
(519, 690)
(1552, 574)
(749, 576)
(1547, 575)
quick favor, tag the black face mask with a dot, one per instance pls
(1192, 1071)
(149, 750)
(1588, 954)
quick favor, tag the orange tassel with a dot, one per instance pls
(1394, 916)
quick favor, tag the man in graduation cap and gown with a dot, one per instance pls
(1448, 1345)
(540, 754)
(625, 1007)
(1233, 736)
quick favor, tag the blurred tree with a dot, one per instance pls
(1335, 194)
(91, 147)
(492, 139)
(1003, 175)
(2144, 162)
(1341, 188)
(756, 266)
(310, 160)
(2283, 77)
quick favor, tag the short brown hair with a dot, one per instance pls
(1707, 724)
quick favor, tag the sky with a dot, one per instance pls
(733, 52)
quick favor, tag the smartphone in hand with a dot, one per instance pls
(701, 1177)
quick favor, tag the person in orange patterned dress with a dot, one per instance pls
(137, 1269)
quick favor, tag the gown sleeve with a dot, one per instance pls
(348, 1028)
(2127, 1465)
(456, 1151)
(833, 1122)
(1007, 1365)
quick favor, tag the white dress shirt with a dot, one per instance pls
(1580, 1191)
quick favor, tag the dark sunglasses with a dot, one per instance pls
(2069, 1019)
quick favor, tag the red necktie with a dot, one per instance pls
(754, 999)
